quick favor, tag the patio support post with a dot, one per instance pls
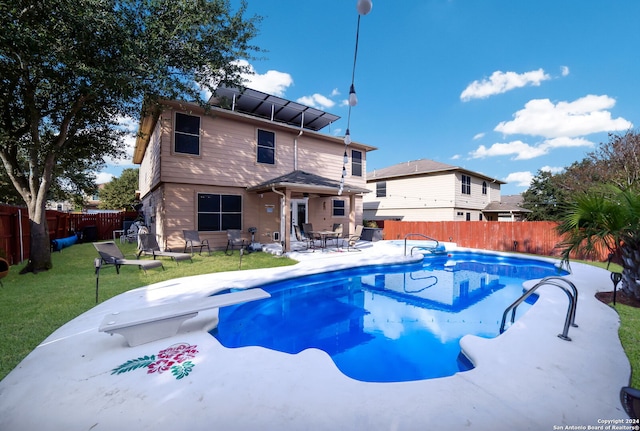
(352, 214)
(285, 228)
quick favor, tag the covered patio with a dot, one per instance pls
(304, 198)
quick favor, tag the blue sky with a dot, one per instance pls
(500, 87)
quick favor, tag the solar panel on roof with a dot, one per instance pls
(259, 104)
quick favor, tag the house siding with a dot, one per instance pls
(228, 155)
(430, 197)
(149, 172)
(227, 164)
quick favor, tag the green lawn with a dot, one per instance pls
(629, 331)
(32, 306)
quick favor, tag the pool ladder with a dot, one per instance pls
(568, 287)
(421, 235)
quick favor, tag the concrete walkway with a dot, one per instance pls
(525, 379)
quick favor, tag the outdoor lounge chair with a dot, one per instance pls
(630, 399)
(111, 255)
(148, 245)
(352, 242)
(234, 239)
(192, 240)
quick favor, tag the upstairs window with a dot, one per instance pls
(219, 212)
(466, 185)
(187, 134)
(356, 163)
(381, 189)
(484, 187)
(266, 147)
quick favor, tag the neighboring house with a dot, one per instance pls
(250, 160)
(508, 209)
(426, 190)
(90, 203)
(63, 206)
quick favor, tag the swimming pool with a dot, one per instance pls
(387, 323)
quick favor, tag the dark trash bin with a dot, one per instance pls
(90, 234)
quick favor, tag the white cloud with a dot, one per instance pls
(552, 169)
(565, 142)
(103, 177)
(520, 150)
(478, 136)
(335, 92)
(316, 101)
(128, 123)
(455, 157)
(586, 115)
(521, 179)
(523, 151)
(564, 70)
(501, 82)
(271, 82)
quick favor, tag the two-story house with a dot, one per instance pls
(249, 160)
(426, 190)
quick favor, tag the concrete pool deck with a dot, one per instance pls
(525, 379)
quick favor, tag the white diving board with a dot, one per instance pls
(144, 325)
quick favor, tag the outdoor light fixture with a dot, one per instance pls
(353, 99)
(364, 6)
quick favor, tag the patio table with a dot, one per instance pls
(324, 235)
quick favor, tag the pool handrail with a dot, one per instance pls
(552, 280)
(418, 234)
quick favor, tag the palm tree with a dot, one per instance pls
(609, 219)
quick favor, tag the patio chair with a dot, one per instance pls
(110, 254)
(352, 242)
(307, 231)
(148, 245)
(630, 399)
(337, 230)
(308, 243)
(192, 240)
(234, 239)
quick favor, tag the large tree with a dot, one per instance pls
(613, 163)
(120, 192)
(545, 198)
(69, 69)
(616, 162)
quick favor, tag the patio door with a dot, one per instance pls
(298, 214)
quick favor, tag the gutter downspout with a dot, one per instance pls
(283, 205)
(295, 150)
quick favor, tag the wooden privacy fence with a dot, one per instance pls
(536, 237)
(15, 230)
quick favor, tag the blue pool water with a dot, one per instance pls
(387, 323)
